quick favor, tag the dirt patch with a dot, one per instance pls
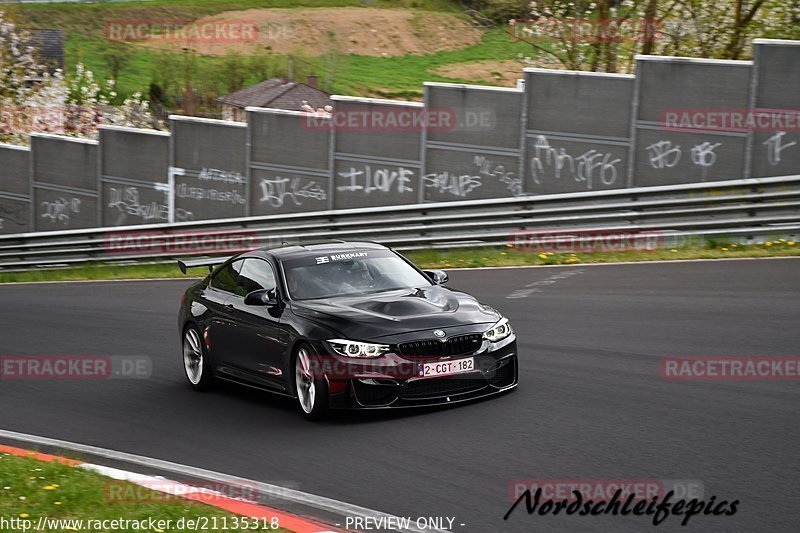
(387, 93)
(363, 31)
(502, 73)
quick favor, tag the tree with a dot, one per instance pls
(116, 55)
(263, 64)
(17, 62)
(604, 35)
(233, 71)
(497, 10)
(32, 100)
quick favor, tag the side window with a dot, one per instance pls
(256, 274)
(226, 279)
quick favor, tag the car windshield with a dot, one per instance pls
(350, 273)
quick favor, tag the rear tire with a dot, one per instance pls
(310, 389)
(196, 362)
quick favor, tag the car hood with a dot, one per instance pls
(395, 312)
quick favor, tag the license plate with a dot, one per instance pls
(446, 368)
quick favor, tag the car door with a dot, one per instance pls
(261, 339)
(221, 288)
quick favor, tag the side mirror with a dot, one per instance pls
(262, 297)
(439, 277)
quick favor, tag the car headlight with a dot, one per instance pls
(499, 331)
(357, 349)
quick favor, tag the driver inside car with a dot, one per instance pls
(360, 275)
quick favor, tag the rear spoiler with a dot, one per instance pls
(209, 262)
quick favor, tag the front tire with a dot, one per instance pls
(195, 360)
(311, 389)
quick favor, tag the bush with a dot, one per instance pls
(500, 11)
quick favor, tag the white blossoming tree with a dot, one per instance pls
(604, 35)
(321, 112)
(33, 100)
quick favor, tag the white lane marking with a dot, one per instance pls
(120, 475)
(312, 500)
(533, 287)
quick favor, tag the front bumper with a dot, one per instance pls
(393, 381)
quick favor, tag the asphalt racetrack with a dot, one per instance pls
(591, 404)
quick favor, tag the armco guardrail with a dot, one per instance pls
(741, 207)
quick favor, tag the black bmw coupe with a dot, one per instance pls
(342, 325)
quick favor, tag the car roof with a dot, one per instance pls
(295, 251)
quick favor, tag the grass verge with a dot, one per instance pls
(454, 258)
(30, 489)
(97, 271)
(390, 77)
(495, 257)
